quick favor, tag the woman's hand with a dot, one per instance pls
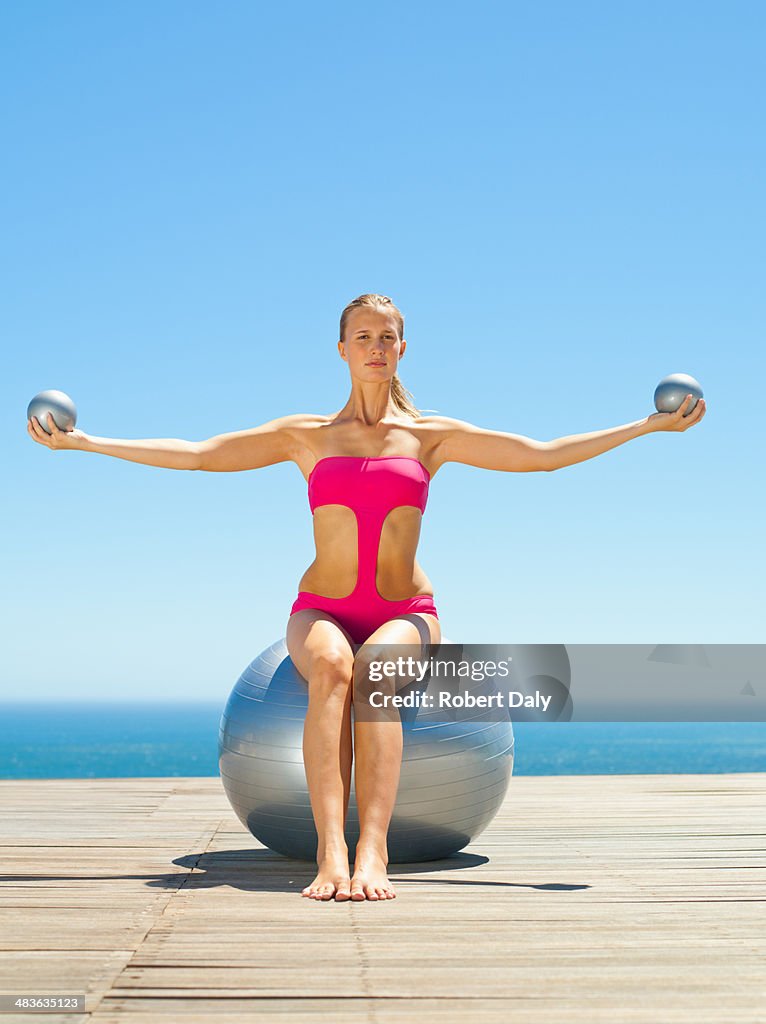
(676, 420)
(57, 438)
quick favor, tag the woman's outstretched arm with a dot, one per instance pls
(244, 449)
(464, 442)
(275, 441)
(566, 451)
(460, 441)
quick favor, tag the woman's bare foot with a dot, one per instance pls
(370, 880)
(332, 878)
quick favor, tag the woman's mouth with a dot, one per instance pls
(376, 364)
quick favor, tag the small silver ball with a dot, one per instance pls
(58, 404)
(673, 389)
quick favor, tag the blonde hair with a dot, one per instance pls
(401, 397)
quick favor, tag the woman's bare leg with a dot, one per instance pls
(321, 651)
(377, 764)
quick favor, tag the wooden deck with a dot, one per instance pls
(591, 898)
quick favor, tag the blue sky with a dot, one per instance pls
(565, 200)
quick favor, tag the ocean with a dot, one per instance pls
(139, 740)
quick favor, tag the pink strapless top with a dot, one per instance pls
(370, 483)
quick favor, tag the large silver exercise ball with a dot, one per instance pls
(58, 404)
(673, 389)
(455, 769)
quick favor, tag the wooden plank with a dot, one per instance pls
(614, 898)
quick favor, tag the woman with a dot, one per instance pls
(368, 469)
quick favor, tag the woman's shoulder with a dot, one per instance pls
(307, 420)
(301, 424)
(302, 428)
(435, 421)
(436, 426)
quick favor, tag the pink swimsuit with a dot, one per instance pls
(370, 486)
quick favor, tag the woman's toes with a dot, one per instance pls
(370, 891)
(342, 892)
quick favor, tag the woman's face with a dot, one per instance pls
(372, 346)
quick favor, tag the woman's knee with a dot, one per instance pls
(330, 673)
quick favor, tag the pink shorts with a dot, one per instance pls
(362, 616)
